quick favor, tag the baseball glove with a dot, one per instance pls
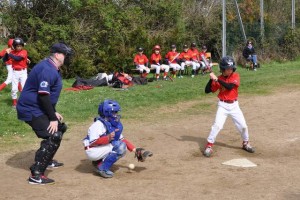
(141, 154)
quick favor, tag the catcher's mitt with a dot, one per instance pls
(141, 154)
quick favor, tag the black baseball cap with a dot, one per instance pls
(61, 48)
(173, 46)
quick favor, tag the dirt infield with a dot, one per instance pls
(178, 170)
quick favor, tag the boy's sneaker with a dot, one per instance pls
(208, 150)
(40, 180)
(105, 173)
(247, 147)
(55, 164)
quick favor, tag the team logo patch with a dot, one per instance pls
(230, 63)
(44, 84)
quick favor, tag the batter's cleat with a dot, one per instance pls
(55, 164)
(40, 180)
(247, 147)
(208, 150)
(105, 173)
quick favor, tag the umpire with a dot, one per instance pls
(36, 106)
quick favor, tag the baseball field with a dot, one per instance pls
(172, 119)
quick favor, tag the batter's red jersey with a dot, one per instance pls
(140, 59)
(225, 94)
(194, 53)
(172, 56)
(155, 58)
(185, 55)
(2, 53)
(22, 64)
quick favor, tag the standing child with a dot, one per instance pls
(156, 63)
(227, 84)
(141, 62)
(18, 56)
(105, 144)
(8, 65)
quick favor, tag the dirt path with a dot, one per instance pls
(178, 170)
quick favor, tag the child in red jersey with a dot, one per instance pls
(156, 63)
(193, 51)
(141, 62)
(18, 56)
(227, 84)
(205, 64)
(185, 59)
(8, 65)
(172, 58)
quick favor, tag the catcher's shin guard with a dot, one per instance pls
(119, 151)
(46, 153)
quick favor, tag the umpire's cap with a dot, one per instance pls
(61, 48)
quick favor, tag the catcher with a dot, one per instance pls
(105, 144)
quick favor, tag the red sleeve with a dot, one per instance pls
(2, 53)
(135, 60)
(129, 145)
(101, 141)
(146, 59)
(215, 86)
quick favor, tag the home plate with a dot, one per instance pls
(241, 162)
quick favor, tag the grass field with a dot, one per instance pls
(78, 107)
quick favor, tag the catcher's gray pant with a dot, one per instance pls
(225, 110)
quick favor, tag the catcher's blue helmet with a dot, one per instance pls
(108, 108)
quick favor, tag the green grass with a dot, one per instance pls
(140, 101)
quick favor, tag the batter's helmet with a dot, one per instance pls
(226, 63)
(108, 108)
(10, 42)
(17, 41)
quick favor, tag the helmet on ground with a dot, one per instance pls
(140, 49)
(226, 63)
(173, 46)
(156, 47)
(185, 46)
(193, 44)
(17, 41)
(10, 42)
(108, 108)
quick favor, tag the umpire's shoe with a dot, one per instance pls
(40, 180)
(54, 164)
(247, 147)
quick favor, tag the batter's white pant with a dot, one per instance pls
(225, 110)
(9, 74)
(18, 76)
(175, 66)
(142, 68)
(99, 152)
(186, 63)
